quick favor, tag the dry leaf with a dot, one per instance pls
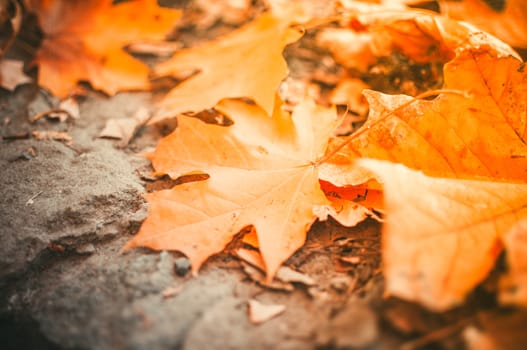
(349, 92)
(481, 135)
(442, 236)
(495, 329)
(52, 135)
(413, 132)
(233, 12)
(171, 291)
(251, 238)
(306, 13)
(252, 257)
(287, 274)
(477, 340)
(259, 313)
(350, 49)
(262, 178)
(378, 5)
(510, 24)
(346, 212)
(246, 63)
(425, 37)
(161, 49)
(84, 40)
(258, 276)
(124, 128)
(12, 74)
(68, 108)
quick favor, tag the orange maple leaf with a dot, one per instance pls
(246, 63)
(84, 40)
(266, 178)
(425, 37)
(509, 24)
(478, 131)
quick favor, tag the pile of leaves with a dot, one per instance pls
(445, 170)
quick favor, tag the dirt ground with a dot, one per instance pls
(67, 209)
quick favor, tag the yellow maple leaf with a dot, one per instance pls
(442, 236)
(262, 173)
(246, 63)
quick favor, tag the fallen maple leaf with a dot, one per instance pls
(509, 24)
(441, 237)
(246, 63)
(452, 136)
(84, 40)
(262, 173)
(477, 129)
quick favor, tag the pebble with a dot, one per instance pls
(182, 266)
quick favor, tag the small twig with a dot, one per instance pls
(31, 200)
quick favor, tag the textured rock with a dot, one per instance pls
(62, 197)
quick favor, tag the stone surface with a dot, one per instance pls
(65, 196)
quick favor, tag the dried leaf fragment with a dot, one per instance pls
(68, 108)
(259, 313)
(52, 135)
(287, 274)
(12, 74)
(252, 257)
(124, 128)
(171, 291)
(258, 276)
